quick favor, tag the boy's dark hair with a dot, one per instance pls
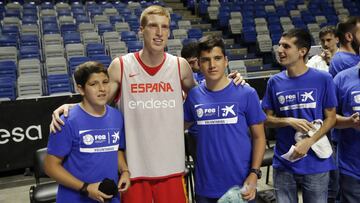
(83, 71)
(189, 50)
(303, 38)
(327, 30)
(208, 42)
(347, 26)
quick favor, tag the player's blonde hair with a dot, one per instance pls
(151, 10)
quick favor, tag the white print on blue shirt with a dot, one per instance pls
(99, 140)
(355, 101)
(297, 99)
(216, 113)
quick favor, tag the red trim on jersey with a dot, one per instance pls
(181, 84)
(157, 178)
(150, 70)
(118, 96)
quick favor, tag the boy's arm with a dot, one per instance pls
(299, 124)
(187, 124)
(114, 72)
(303, 146)
(124, 181)
(53, 168)
(258, 150)
(352, 121)
(187, 79)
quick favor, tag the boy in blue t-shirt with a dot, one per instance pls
(293, 99)
(348, 123)
(86, 150)
(230, 140)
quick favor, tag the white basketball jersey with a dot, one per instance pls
(153, 112)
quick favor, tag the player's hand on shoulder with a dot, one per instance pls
(237, 78)
(56, 121)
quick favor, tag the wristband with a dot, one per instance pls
(83, 190)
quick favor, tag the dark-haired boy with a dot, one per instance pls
(227, 154)
(86, 151)
(294, 99)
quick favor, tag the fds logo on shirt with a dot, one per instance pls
(216, 113)
(92, 137)
(297, 99)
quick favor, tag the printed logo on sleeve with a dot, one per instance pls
(99, 140)
(297, 99)
(355, 101)
(216, 113)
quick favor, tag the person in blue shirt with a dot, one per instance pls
(348, 123)
(348, 54)
(294, 98)
(91, 145)
(230, 140)
(346, 57)
(189, 53)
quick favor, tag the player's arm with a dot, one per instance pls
(272, 121)
(114, 72)
(53, 168)
(187, 79)
(352, 121)
(258, 150)
(124, 181)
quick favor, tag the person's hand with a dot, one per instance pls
(355, 120)
(97, 195)
(56, 121)
(326, 55)
(250, 184)
(237, 78)
(301, 125)
(124, 182)
(302, 148)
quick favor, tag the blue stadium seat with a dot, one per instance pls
(195, 33)
(104, 28)
(134, 46)
(66, 28)
(49, 19)
(71, 38)
(29, 40)
(188, 40)
(10, 30)
(7, 88)
(47, 5)
(115, 19)
(8, 69)
(13, 13)
(104, 59)
(29, 52)
(75, 61)
(58, 84)
(50, 28)
(95, 49)
(78, 12)
(29, 20)
(8, 41)
(63, 12)
(128, 36)
(82, 19)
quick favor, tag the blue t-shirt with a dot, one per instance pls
(89, 146)
(341, 61)
(305, 97)
(223, 156)
(348, 92)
